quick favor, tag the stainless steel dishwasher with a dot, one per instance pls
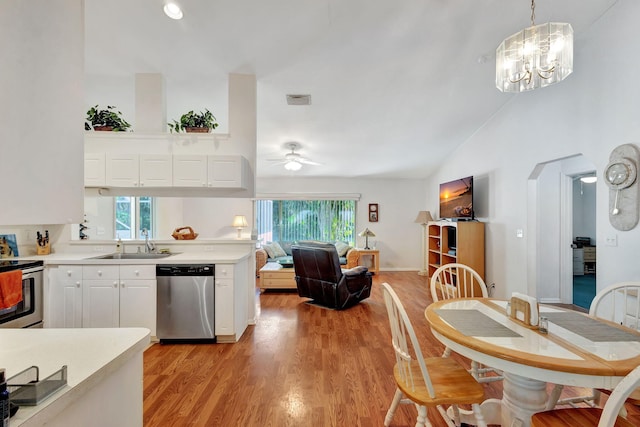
(185, 302)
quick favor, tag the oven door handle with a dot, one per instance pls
(29, 272)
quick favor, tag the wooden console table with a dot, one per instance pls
(373, 264)
(274, 276)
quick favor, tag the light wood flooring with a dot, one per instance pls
(301, 365)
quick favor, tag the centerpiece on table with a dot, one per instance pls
(108, 119)
(195, 122)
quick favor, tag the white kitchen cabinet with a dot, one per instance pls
(226, 172)
(230, 296)
(138, 296)
(209, 171)
(189, 170)
(122, 170)
(64, 297)
(119, 296)
(133, 170)
(94, 170)
(156, 170)
(100, 296)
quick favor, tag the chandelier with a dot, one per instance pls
(535, 57)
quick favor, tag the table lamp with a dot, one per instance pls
(423, 218)
(367, 233)
(240, 222)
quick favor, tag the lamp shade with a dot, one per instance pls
(240, 221)
(423, 217)
(367, 233)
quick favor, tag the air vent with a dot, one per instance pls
(299, 99)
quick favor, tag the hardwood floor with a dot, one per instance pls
(300, 365)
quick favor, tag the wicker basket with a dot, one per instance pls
(184, 233)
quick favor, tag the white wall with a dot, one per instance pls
(584, 210)
(399, 201)
(41, 82)
(591, 112)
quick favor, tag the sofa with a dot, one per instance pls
(319, 276)
(281, 253)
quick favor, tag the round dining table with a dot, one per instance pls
(577, 350)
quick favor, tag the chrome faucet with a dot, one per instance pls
(149, 247)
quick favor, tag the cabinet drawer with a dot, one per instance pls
(100, 272)
(224, 271)
(589, 250)
(278, 283)
(146, 271)
(68, 272)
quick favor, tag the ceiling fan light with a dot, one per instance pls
(173, 11)
(293, 166)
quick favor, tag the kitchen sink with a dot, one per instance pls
(133, 256)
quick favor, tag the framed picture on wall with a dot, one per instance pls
(373, 212)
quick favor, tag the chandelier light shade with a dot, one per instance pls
(535, 57)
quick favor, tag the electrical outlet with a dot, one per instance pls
(520, 233)
(611, 240)
(208, 249)
(98, 249)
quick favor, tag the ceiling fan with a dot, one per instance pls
(293, 161)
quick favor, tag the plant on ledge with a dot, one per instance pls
(108, 119)
(195, 122)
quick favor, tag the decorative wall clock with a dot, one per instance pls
(621, 177)
(373, 212)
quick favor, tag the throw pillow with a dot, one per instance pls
(342, 248)
(277, 250)
(269, 248)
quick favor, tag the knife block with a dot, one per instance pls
(43, 250)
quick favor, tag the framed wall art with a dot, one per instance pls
(374, 212)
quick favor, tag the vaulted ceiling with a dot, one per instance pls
(395, 85)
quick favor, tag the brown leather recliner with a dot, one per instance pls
(319, 276)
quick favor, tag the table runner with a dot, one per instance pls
(589, 328)
(474, 323)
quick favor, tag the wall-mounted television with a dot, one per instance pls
(456, 199)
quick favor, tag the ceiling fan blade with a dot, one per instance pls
(309, 162)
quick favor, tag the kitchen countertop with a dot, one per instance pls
(176, 258)
(90, 355)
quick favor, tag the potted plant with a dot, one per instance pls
(109, 119)
(195, 122)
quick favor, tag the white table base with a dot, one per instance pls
(521, 398)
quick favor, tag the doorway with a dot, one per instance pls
(550, 253)
(584, 239)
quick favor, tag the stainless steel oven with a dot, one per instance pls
(28, 312)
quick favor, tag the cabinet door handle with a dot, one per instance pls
(115, 284)
(99, 272)
(69, 272)
(137, 273)
(122, 284)
(77, 284)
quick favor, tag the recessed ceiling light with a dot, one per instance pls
(173, 11)
(589, 179)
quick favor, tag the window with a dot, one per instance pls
(292, 220)
(133, 214)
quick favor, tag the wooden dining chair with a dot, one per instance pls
(427, 382)
(592, 417)
(461, 281)
(618, 303)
